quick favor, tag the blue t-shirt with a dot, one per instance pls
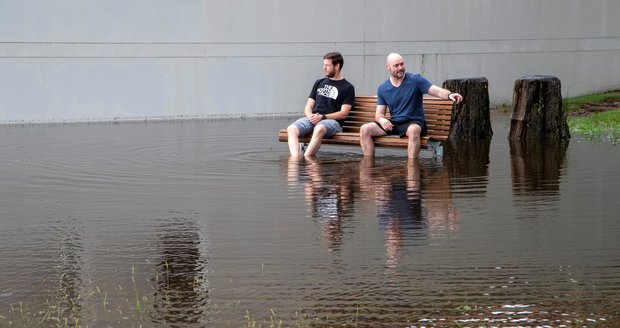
(404, 102)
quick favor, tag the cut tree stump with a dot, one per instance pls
(471, 118)
(537, 109)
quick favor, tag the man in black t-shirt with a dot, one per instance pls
(329, 103)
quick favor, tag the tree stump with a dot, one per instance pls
(537, 109)
(471, 118)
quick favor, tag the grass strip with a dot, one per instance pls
(604, 125)
(574, 104)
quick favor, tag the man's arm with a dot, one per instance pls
(444, 94)
(313, 117)
(380, 118)
(309, 107)
(341, 114)
(380, 113)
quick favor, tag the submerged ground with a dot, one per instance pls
(209, 223)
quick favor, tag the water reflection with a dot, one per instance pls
(536, 165)
(410, 203)
(181, 291)
(438, 199)
(526, 235)
(329, 193)
(468, 159)
(69, 246)
(396, 190)
(412, 200)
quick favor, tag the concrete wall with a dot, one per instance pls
(84, 60)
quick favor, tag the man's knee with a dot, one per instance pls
(292, 130)
(414, 131)
(319, 131)
(365, 130)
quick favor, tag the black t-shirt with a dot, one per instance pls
(330, 95)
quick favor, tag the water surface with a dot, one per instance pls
(209, 223)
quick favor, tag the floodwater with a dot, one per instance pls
(209, 224)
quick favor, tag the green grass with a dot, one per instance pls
(605, 125)
(573, 104)
(595, 126)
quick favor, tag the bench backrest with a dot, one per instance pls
(438, 114)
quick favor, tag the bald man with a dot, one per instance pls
(402, 93)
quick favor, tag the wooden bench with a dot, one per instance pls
(438, 114)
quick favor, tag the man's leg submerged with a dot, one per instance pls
(315, 141)
(301, 127)
(293, 140)
(324, 129)
(367, 131)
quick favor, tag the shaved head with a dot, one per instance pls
(393, 57)
(396, 66)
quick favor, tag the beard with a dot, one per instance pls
(330, 74)
(398, 74)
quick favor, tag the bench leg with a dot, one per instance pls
(436, 148)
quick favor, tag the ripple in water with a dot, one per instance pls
(210, 224)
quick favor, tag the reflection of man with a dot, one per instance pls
(438, 207)
(328, 193)
(396, 188)
(397, 196)
(321, 191)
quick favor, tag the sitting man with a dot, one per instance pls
(329, 103)
(402, 93)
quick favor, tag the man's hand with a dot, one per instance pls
(455, 97)
(315, 118)
(386, 124)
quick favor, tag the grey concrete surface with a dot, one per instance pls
(159, 59)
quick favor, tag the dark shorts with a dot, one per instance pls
(401, 128)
